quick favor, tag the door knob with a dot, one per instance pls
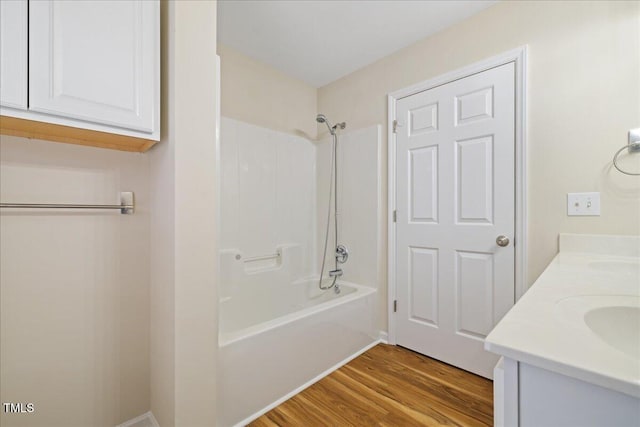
(502, 240)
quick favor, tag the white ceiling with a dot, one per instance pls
(319, 41)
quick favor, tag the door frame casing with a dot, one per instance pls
(519, 57)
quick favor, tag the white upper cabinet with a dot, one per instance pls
(14, 33)
(92, 64)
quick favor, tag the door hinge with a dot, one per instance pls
(395, 126)
(395, 305)
(395, 216)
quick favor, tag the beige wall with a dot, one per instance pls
(196, 304)
(74, 286)
(184, 329)
(162, 248)
(583, 96)
(257, 93)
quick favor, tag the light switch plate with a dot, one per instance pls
(583, 204)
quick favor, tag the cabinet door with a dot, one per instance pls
(13, 53)
(96, 61)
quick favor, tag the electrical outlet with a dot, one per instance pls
(583, 204)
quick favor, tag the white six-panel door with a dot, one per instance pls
(455, 185)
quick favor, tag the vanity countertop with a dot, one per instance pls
(581, 316)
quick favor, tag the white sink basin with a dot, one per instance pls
(618, 326)
(614, 319)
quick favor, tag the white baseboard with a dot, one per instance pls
(384, 337)
(305, 385)
(154, 422)
(144, 420)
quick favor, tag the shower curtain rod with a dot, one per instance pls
(126, 206)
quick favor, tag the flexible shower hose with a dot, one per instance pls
(326, 234)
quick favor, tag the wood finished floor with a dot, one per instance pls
(389, 386)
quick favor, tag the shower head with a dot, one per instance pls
(321, 118)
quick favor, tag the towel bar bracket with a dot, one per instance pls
(127, 201)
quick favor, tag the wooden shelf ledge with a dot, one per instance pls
(71, 135)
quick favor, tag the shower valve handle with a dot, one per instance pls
(342, 254)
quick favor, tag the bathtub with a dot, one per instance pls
(276, 342)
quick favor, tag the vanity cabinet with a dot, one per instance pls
(93, 73)
(529, 396)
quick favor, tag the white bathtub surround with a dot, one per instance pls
(279, 333)
(268, 195)
(276, 344)
(580, 319)
(275, 190)
(359, 202)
